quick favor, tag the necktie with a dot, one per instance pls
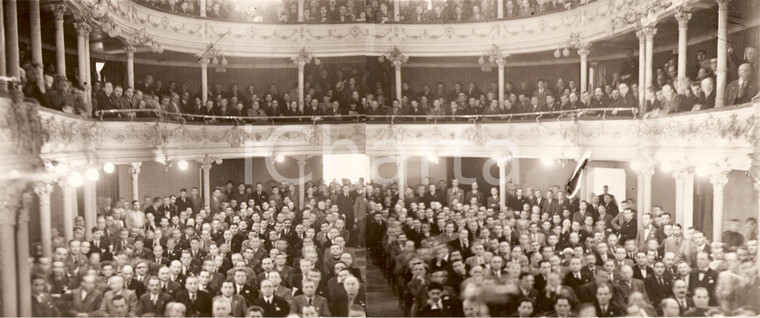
(153, 298)
(310, 301)
(683, 303)
(192, 297)
(742, 85)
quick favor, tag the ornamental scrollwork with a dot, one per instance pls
(25, 128)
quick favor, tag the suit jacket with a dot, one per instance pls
(278, 308)
(450, 195)
(184, 203)
(612, 310)
(656, 291)
(248, 292)
(319, 302)
(551, 206)
(171, 288)
(457, 245)
(88, 305)
(708, 281)
(479, 195)
(689, 305)
(450, 307)
(44, 308)
(136, 286)
(636, 285)
(201, 307)
(146, 306)
(638, 275)
(238, 304)
(105, 304)
(732, 92)
(574, 283)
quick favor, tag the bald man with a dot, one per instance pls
(743, 89)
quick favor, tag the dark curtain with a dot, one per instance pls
(108, 186)
(114, 72)
(703, 206)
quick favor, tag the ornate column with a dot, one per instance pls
(303, 58)
(206, 163)
(592, 77)
(130, 49)
(720, 79)
(3, 87)
(43, 190)
(683, 16)
(644, 174)
(500, 9)
(90, 206)
(496, 56)
(684, 177)
(301, 181)
(11, 38)
(204, 78)
(87, 61)
(642, 69)
(134, 172)
(202, 8)
(9, 204)
(36, 41)
(301, 5)
(396, 10)
(401, 173)
(584, 51)
(754, 169)
(502, 164)
(59, 9)
(68, 194)
(649, 32)
(397, 58)
(719, 179)
(22, 257)
(83, 28)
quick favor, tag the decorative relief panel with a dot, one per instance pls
(192, 34)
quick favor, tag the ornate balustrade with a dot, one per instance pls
(591, 22)
(728, 134)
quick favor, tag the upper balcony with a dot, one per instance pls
(189, 34)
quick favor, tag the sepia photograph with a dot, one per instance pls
(379, 158)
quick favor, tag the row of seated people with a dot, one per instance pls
(275, 259)
(455, 251)
(379, 11)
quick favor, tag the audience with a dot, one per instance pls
(544, 254)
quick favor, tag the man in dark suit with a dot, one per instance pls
(629, 284)
(604, 307)
(658, 286)
(575, 278)
(704, 276)
(642, 270)
(127, 272)
(197, 302)
(462, 244)
(183, 202)
(629, 229)
(154, 301)
(273, 305)
(167, 285)
(309, 298)
(85, 299)
(100, 245)
(238, 304)
(439, 305)
(743, 89)
(680, 293)
(260, 196)
(242, 288)
(701, 299)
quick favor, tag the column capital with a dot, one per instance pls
(130, 49)
(204, 60)
(681, 171)
(83, 28)
(396, 57)
(301, 159)
(584, 50)
(27, 200)
(647, 31)
(208, 161)
(683, 18)
(719, 178)
(723, 4)
(43, 189)
(10, 202)
(303, 57)
(134, 168)
(59, 10)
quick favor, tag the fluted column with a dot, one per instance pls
(83, 28)
(36, 41)
(3, 86)
(397, 69)
(301, 5)
(500, 9)
(684, 177)
(11, 38)
(87, 46)
(642, 70)
(134, 173)
(584, 52)
(204, 79)
(9, 204)
(401, 173)
(719, 179)
(500, 62)
(502, 164)
(649, 32)
(396, 10)
(206, 164)
(301, 179)
(720, 74)
(69, 194)
(683, 16)
(202, 9)
(22, 257)
(59, 9)
(130, 49)
(90, 206)
(43, 190)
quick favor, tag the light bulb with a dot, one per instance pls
(224, 61)
(557, 54)
(279, 158)
(433, 158)
(75, 179)
(566, 52)
(108, 167)
(92, 174)
(491, 59)
(317, 62)
(182, 165)
(381, 59)
(481, 60)
(666, 166)
(215, 60)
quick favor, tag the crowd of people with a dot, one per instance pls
(251, 252)
(451, 250)
(371, 11)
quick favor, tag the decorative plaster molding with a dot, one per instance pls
(546, 32)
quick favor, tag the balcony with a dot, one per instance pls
(188, 34)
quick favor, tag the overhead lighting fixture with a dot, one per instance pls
(92, 174)
(108, 167)
(182, 165)
(279, 158)
(61, 168)
(75, 179)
